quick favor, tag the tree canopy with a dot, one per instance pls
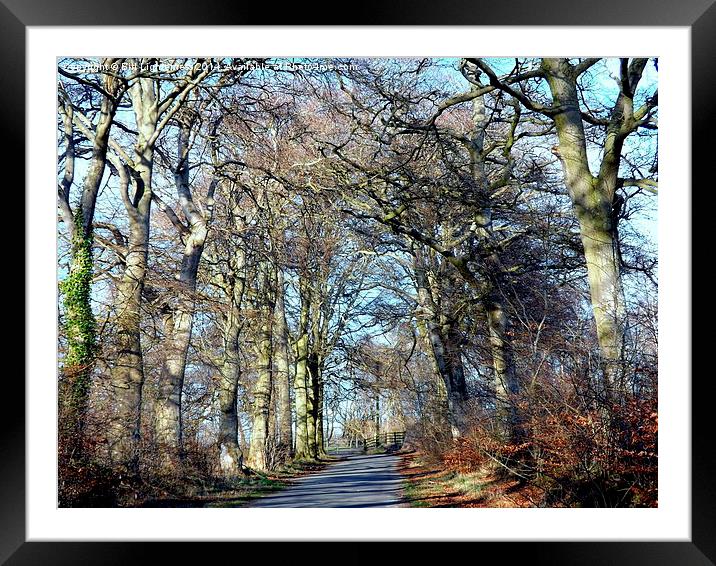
(260, 258)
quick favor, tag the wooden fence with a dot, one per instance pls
(385, 440)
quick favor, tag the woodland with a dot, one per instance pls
(261, 259)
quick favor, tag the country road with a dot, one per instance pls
(359, 481)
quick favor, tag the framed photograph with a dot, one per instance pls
(367, 242)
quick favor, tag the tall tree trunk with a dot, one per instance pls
(315, 403)
(441, 396)
(301, 399)
(281, 364)
(301, 379)
(315, 397)
(506, 385)
(447, 359)
(262, 390)
(454, 396)
(262, 403)
(593, 202)
(458, 397)
(505, 379)
(127, 376)
(320, 421)
(607, 300)
(311, 406)
(230, 454)
(178, 330)
(231, 435)
(80, 329)
(80, 324)
(179, 318)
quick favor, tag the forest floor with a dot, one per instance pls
(432, 484)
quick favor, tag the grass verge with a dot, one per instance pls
(431, 484)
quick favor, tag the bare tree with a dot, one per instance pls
(595, 199)
(179, 317)
(80, 324)
(152, 112)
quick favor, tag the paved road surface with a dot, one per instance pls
(359, 481)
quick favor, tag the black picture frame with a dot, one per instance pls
(699, 15)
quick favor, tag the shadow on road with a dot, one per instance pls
(359, 480)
